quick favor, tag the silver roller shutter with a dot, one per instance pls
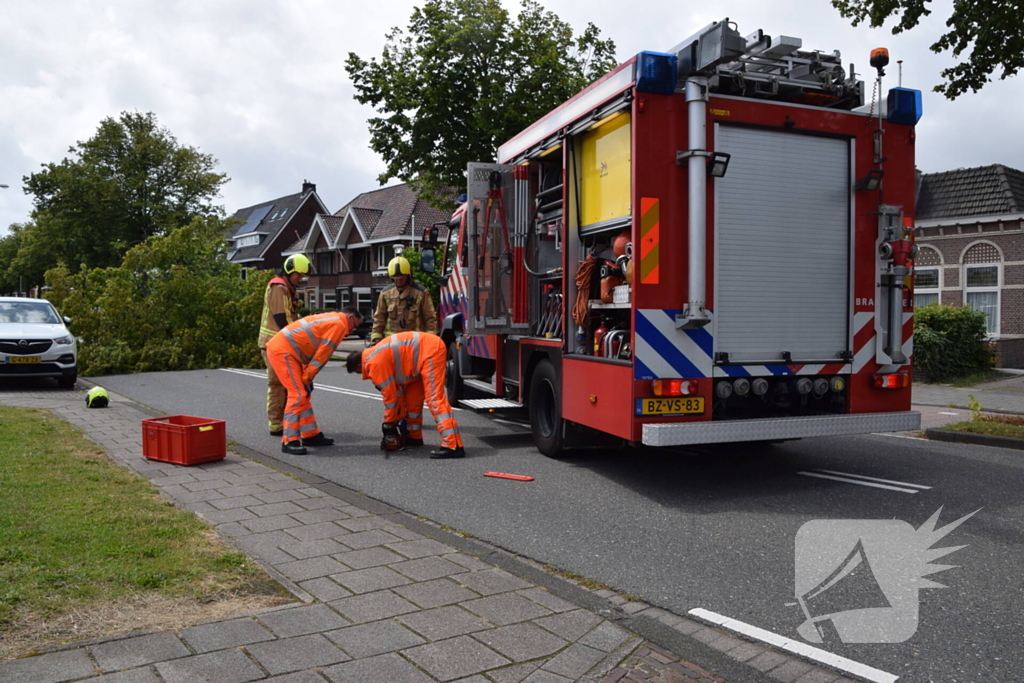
(782, 246)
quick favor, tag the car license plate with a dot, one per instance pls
(670, 406)
(23, 359)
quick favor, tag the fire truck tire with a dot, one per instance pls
(453, 386)
(546, 411)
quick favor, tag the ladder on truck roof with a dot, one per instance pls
(763, 67)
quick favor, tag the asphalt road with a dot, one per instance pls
(710, 527)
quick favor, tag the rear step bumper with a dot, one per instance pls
(486, 404)
(681, 434)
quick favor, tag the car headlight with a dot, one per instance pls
(63, 340)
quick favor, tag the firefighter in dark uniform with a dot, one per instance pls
(404, 306)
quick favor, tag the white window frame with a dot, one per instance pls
(997, 289)
(937, 290)
(382, 256)
(328, 300)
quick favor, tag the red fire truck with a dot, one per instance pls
(713, 244)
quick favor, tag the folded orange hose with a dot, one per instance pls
(502, 475)
(583, 275)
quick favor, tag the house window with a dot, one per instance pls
(981, 292)
(325, 264)
(328, 300)
(365, 304)
(247, 241)
(981, 282)
(345, 294)
(926, 286)
(360, 260)
(382, 256)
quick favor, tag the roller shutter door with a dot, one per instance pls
(782, 246)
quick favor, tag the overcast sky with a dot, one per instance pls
(261, 84)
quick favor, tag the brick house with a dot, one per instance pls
(351, 249)
(971, 237)
(269, 228)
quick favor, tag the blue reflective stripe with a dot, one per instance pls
(666, 349)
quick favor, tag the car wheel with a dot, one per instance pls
(67, 381)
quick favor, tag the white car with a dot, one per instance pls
(35, 341)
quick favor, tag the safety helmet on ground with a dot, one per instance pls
(399, 266)
(97, 398)
(296, 263)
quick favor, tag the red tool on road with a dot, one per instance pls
(502, 475)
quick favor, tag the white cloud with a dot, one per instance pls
(261, 84)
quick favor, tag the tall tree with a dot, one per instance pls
(130, 181)
(463, 78)
(988, 30)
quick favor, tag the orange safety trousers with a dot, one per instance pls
(296, 354)
(409, 369)
(299, 420)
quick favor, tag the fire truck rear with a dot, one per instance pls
(713, 244)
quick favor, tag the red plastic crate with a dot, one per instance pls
(184, 439)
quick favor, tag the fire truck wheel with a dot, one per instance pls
(452, 381)
(546, 411)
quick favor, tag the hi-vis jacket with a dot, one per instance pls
(311, 341)
(279, 299)
(408, 309)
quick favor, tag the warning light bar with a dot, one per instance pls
(674, 387)
(896, 380)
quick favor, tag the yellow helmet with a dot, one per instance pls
(97, 398)
(399, 266)
(296, 263)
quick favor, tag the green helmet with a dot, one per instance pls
(296, 263)
(97, 398)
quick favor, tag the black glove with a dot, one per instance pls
(309, 388)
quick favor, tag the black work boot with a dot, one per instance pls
(409, 441)
(443, 453)
(318, 440)
(293, 448)
(277, 432)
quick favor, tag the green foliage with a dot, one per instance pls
(950, 342)
(175, 303)
(989, 29)
(975, 407)
(429, 280)
(130, 181)
(464, 78)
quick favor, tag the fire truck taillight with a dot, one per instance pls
(674, 387)
(896, 380)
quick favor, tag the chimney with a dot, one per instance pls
(308, 187)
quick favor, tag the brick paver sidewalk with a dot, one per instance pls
(384, 596)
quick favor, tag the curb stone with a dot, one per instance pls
(975, 439)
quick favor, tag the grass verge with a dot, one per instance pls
(88, 548)
(993, 425)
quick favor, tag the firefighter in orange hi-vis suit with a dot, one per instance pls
(297, 353)
(407, 368)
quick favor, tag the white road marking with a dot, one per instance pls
(802, 649)
(884, 481)
(325, 387)
(902, 436)
(512, 422)
(855, 481)
(942, 413)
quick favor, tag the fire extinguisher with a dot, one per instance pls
(599, 333)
